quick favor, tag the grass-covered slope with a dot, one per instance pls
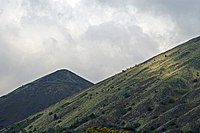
(34, 97)
(161, 94)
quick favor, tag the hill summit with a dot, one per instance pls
(35, 96)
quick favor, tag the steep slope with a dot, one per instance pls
(161, 94)
(34, 97)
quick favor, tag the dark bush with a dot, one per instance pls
(50, 113)
(144, 115)
(163, 103)
(92, 116)
(163, 129)
(149, 108)
(197, 74)
(55, 117)
(30, 127)
(34, 129)
(103, 112)
(195, 80)
(4, 96)
(130, 108)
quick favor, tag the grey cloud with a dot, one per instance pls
(94, 38)
(111, 47)
(185, 14)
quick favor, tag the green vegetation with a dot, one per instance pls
(161, 94)
(104, 130)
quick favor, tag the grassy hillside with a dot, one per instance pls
(34, 97)
(161, 94)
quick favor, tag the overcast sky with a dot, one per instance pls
(93, 38)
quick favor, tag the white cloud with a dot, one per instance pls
(94, 38)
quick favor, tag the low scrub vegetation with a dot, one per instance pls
(104, 130)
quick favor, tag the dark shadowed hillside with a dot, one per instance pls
(34, 97)
(161, 94)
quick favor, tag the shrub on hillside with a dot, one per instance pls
(195, 80)
(197, 74)
(55, 117)
(50, 113)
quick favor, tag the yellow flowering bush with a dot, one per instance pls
(104, 130)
